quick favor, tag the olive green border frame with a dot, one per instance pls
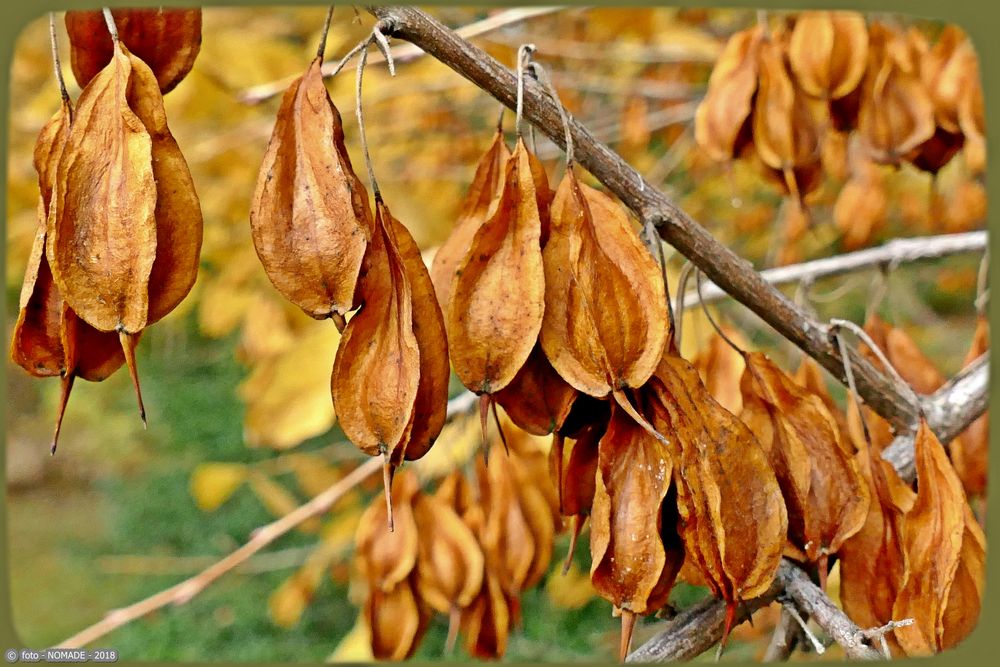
(977, 17)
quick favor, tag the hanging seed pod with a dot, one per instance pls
(828, 52)
(736, 544)
(430, 407)
(933, 538)
(969, 452)
(102, 241)
(498, 291)
(824, 492)
(396, 621)
(574, 467)
(860, 210)
(36, 343)
(537, 400)
(476, 207)
(722, 121)
(449, 566)
(386, 559)
(178, 211)
(784, 133)
(873, 563)
(809, 375)
(965, 599)
(376, 372)
(310, 216)
(486, 622)
(896, 113)
(945, 71)
(48, 338)
(630, 566)
(604, 326)
(168, 40)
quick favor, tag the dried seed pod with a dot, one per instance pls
(396, 622)
(828, 52)
(933, 538)
(537, 400)
(785, 136)
(721, 123)
(482, 195)
(630, 566)
(824, 492)
(168, 40)
(101, 241)
(498, 292)
(873, 563)
(896, 113)
(376, 373)
(430, 406)
(486, 622)
(945, 70)
(384, 558)
(449, 567)
(965, 599)
(310, 216)
(969, 452)
(178, 211)
(732, 519)
(860, 211)
(604, 326)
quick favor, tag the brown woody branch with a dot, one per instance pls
(721, 265)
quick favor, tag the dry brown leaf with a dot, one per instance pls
(310, 216)
(168, 40)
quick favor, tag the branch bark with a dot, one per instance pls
(721, 265)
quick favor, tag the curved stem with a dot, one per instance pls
(877, 351)
(523, 55)
(546, 81)
(321, 50)
(56, 64)
(362, 137)
(110, 21)
(711, 320)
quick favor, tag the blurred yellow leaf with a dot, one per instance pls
(356, 646)
(459, 440)
(213, 483)
(572, 590)
(288, 396)
(279, 501)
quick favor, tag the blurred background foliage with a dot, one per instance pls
(236, 380)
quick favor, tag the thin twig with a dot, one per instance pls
(321, 50)
(982, 283)
(405, 52)
(816, 643)
(362, 136)
(898, 251)
(523, 54)
(881, 631)
(56, 64)
(110, 21)
(546, 81)
(711, 320)
(682, 303)
(784, 639)
(858, 331)
(183, 592)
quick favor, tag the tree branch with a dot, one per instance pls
(730, 272)
(896, 251)
(950, 411)
(183, 592)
